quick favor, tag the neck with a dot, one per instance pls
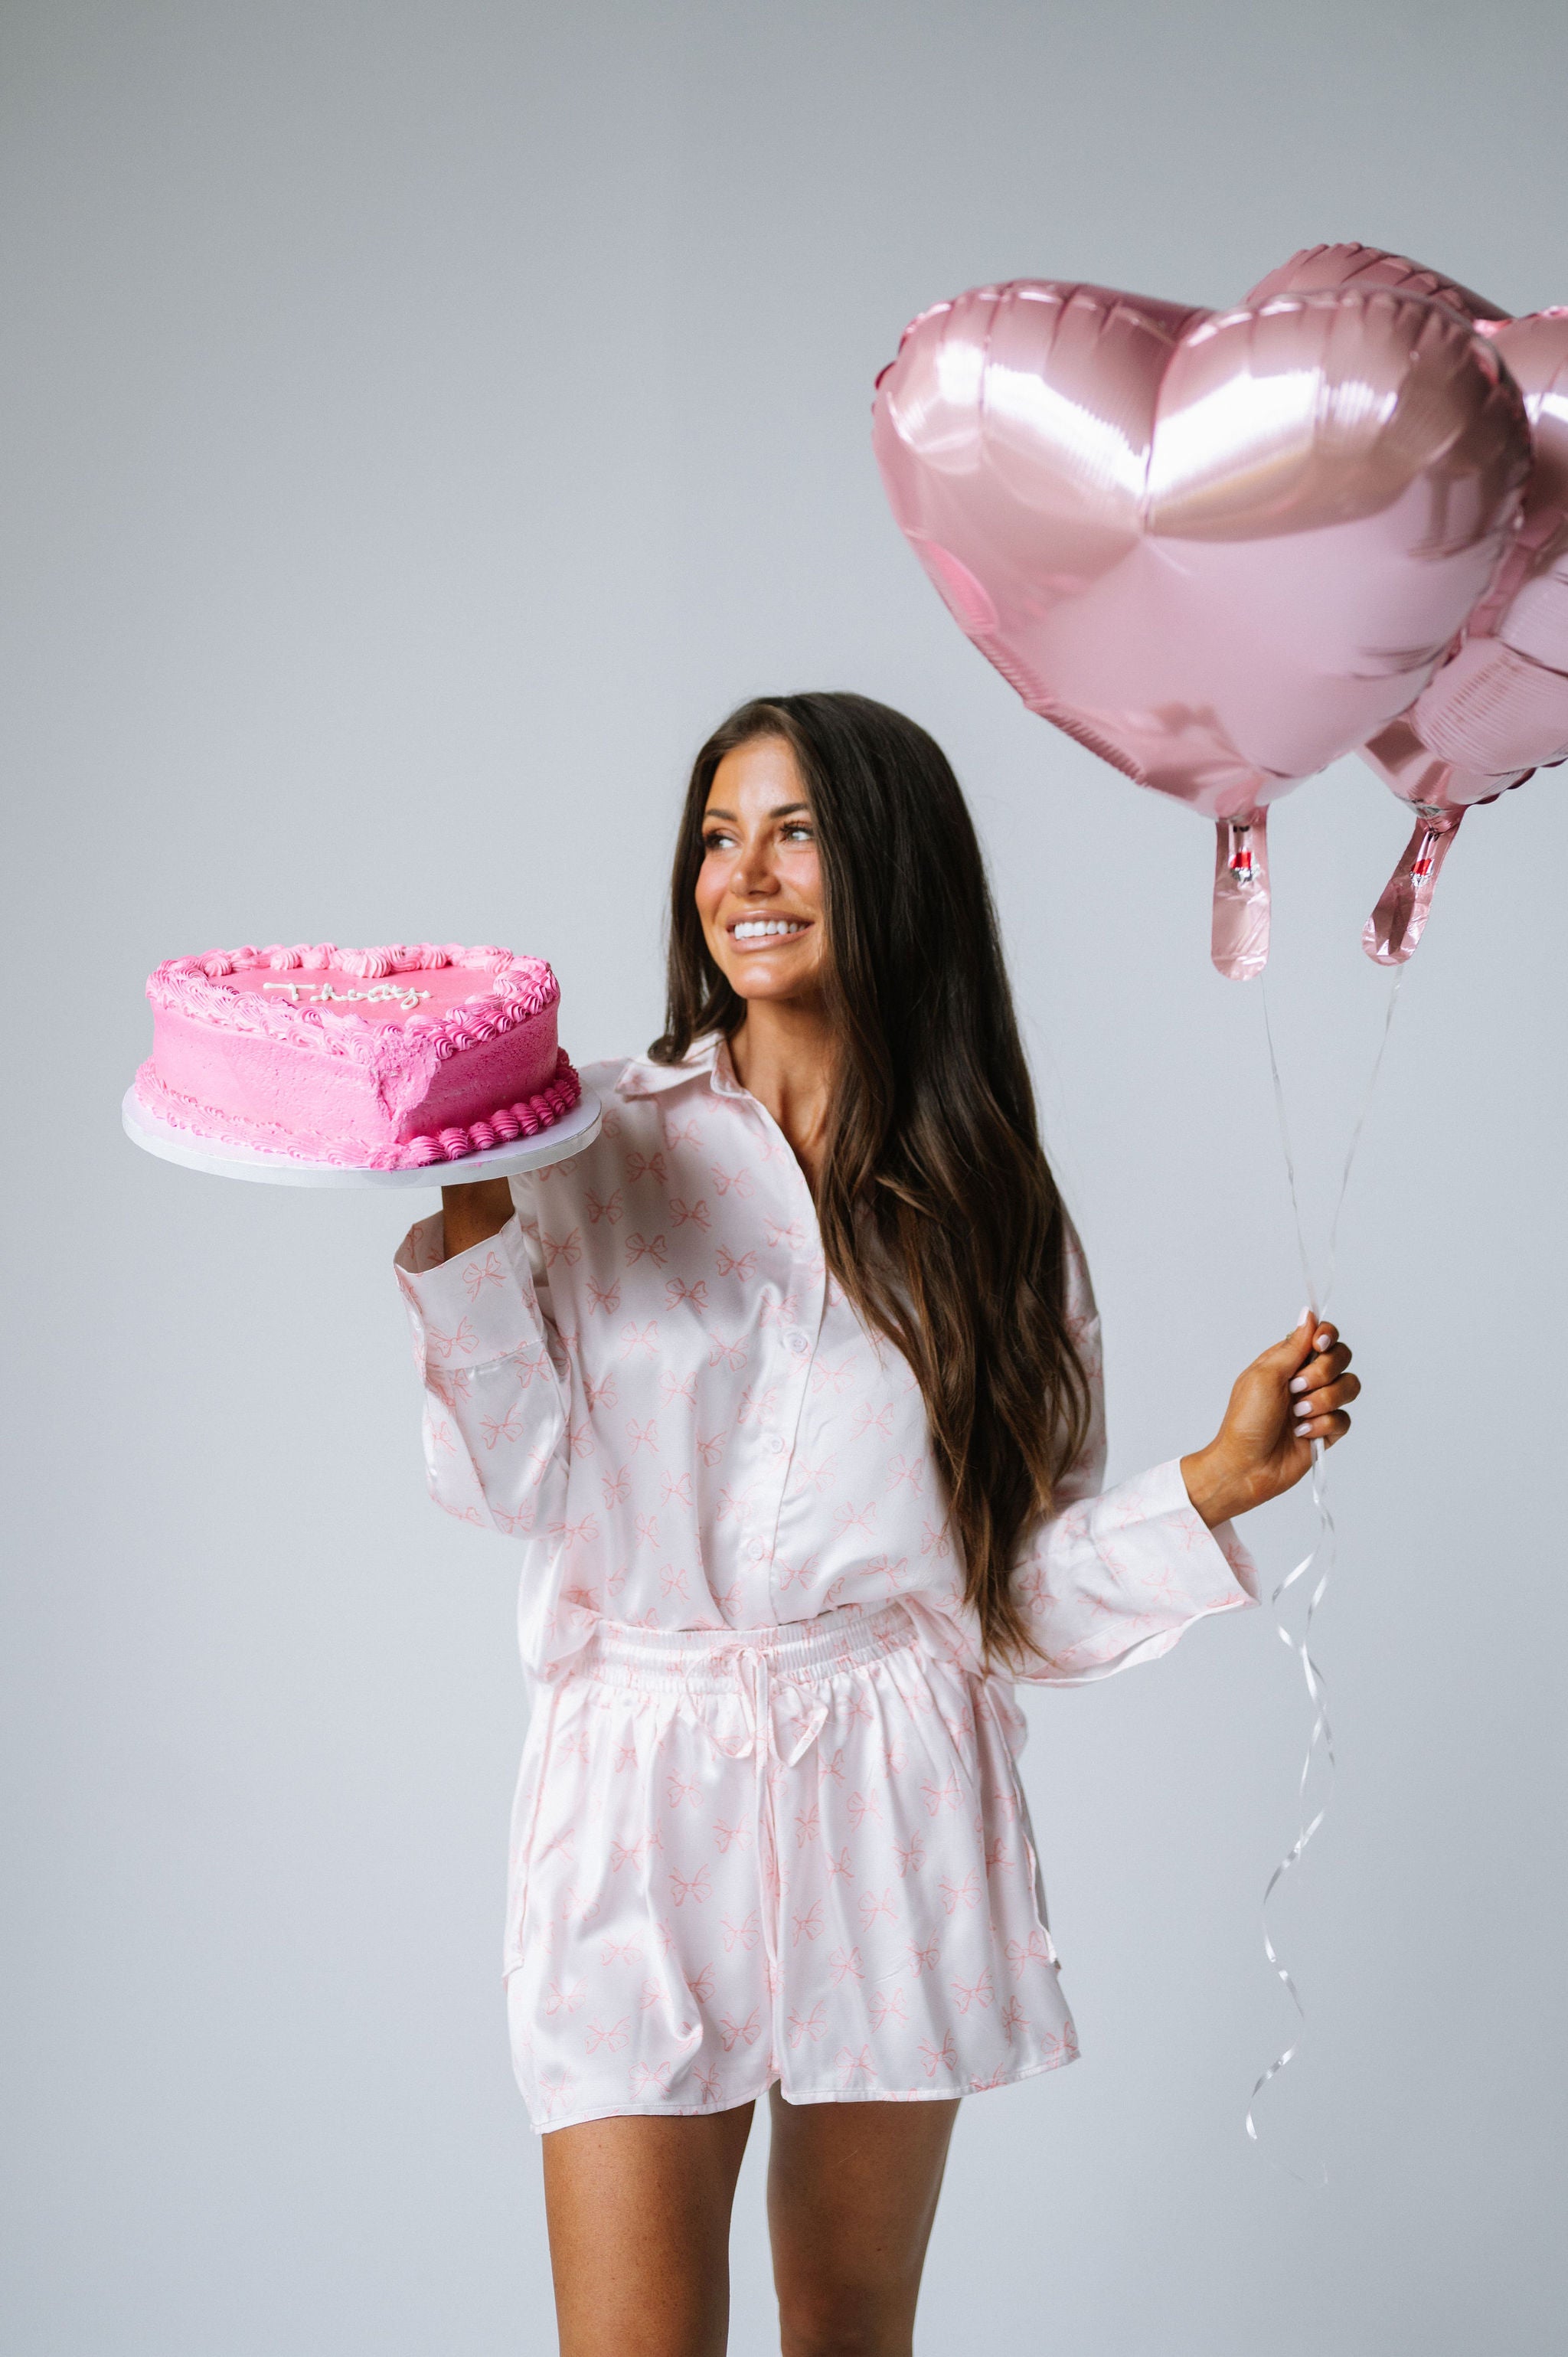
(786, 1053)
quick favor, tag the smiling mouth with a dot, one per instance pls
(760, 933)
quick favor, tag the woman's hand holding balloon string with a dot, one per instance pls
(1294, 1392)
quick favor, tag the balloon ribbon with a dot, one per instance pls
(1324, 1546)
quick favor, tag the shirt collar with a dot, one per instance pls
(706, 1059)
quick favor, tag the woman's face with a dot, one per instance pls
(759, 889)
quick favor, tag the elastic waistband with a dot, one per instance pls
(714, 1661)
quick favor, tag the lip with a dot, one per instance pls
(769, 940)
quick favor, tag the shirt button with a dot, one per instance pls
(799, 1344)
(756, 1550)
(776, 1446)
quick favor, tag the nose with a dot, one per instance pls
(753, 873)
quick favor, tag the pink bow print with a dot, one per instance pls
(944, 2057)
(464, 1339)
(943, 1795)
(1035, 1950)
(967, 1994)
(478, 1274)
(808, 2025)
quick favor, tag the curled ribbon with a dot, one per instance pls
(1325, 1546)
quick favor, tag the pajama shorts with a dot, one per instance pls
(798, 1854)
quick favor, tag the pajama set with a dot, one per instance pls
(768, 1823)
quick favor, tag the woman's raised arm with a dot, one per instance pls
(472, 1214)
(495, 1403)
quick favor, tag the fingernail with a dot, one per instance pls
(1320, 1341)
(1299, 1383)
(1303, 1421)
(1304, 1313)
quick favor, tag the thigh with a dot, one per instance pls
(639, 2211)
(852, 2192)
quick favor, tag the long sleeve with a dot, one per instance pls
(494, 1420)
(1114, 1577)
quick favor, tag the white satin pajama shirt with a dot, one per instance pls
(768, 1823)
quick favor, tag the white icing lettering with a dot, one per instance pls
(319, 994)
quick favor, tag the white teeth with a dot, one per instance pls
(759, 929)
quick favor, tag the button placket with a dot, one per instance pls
(786, 1352)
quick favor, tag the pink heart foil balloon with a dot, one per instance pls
(1496, 709)
(1218, 548)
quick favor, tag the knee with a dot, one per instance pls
(845, 2325)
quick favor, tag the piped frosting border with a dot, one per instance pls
(194, 985)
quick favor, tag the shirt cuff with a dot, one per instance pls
(477, 1307)
(1221, 1540)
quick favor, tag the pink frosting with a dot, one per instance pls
(380, 1057)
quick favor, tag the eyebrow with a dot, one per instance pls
(782, 811)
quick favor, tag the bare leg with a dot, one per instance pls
(851, 2191)
(638, 2212)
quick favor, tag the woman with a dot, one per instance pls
(791, 1385)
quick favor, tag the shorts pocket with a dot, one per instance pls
(1008, 1805)
(531, 1776)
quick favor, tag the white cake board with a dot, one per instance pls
(567, 1137)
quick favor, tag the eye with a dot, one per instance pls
(716, 839)
(799, 830)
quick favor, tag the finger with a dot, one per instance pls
(1327, 1428)
(1329, 1397)
(1282, 1358)
(1322, 1368)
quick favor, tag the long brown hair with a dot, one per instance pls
(939, 1216)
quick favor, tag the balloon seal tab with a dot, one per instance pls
(1396, 924)
(1240, 941)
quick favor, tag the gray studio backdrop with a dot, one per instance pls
(422, 423)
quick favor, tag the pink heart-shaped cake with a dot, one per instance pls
(1218, 548)
(379, 1058)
